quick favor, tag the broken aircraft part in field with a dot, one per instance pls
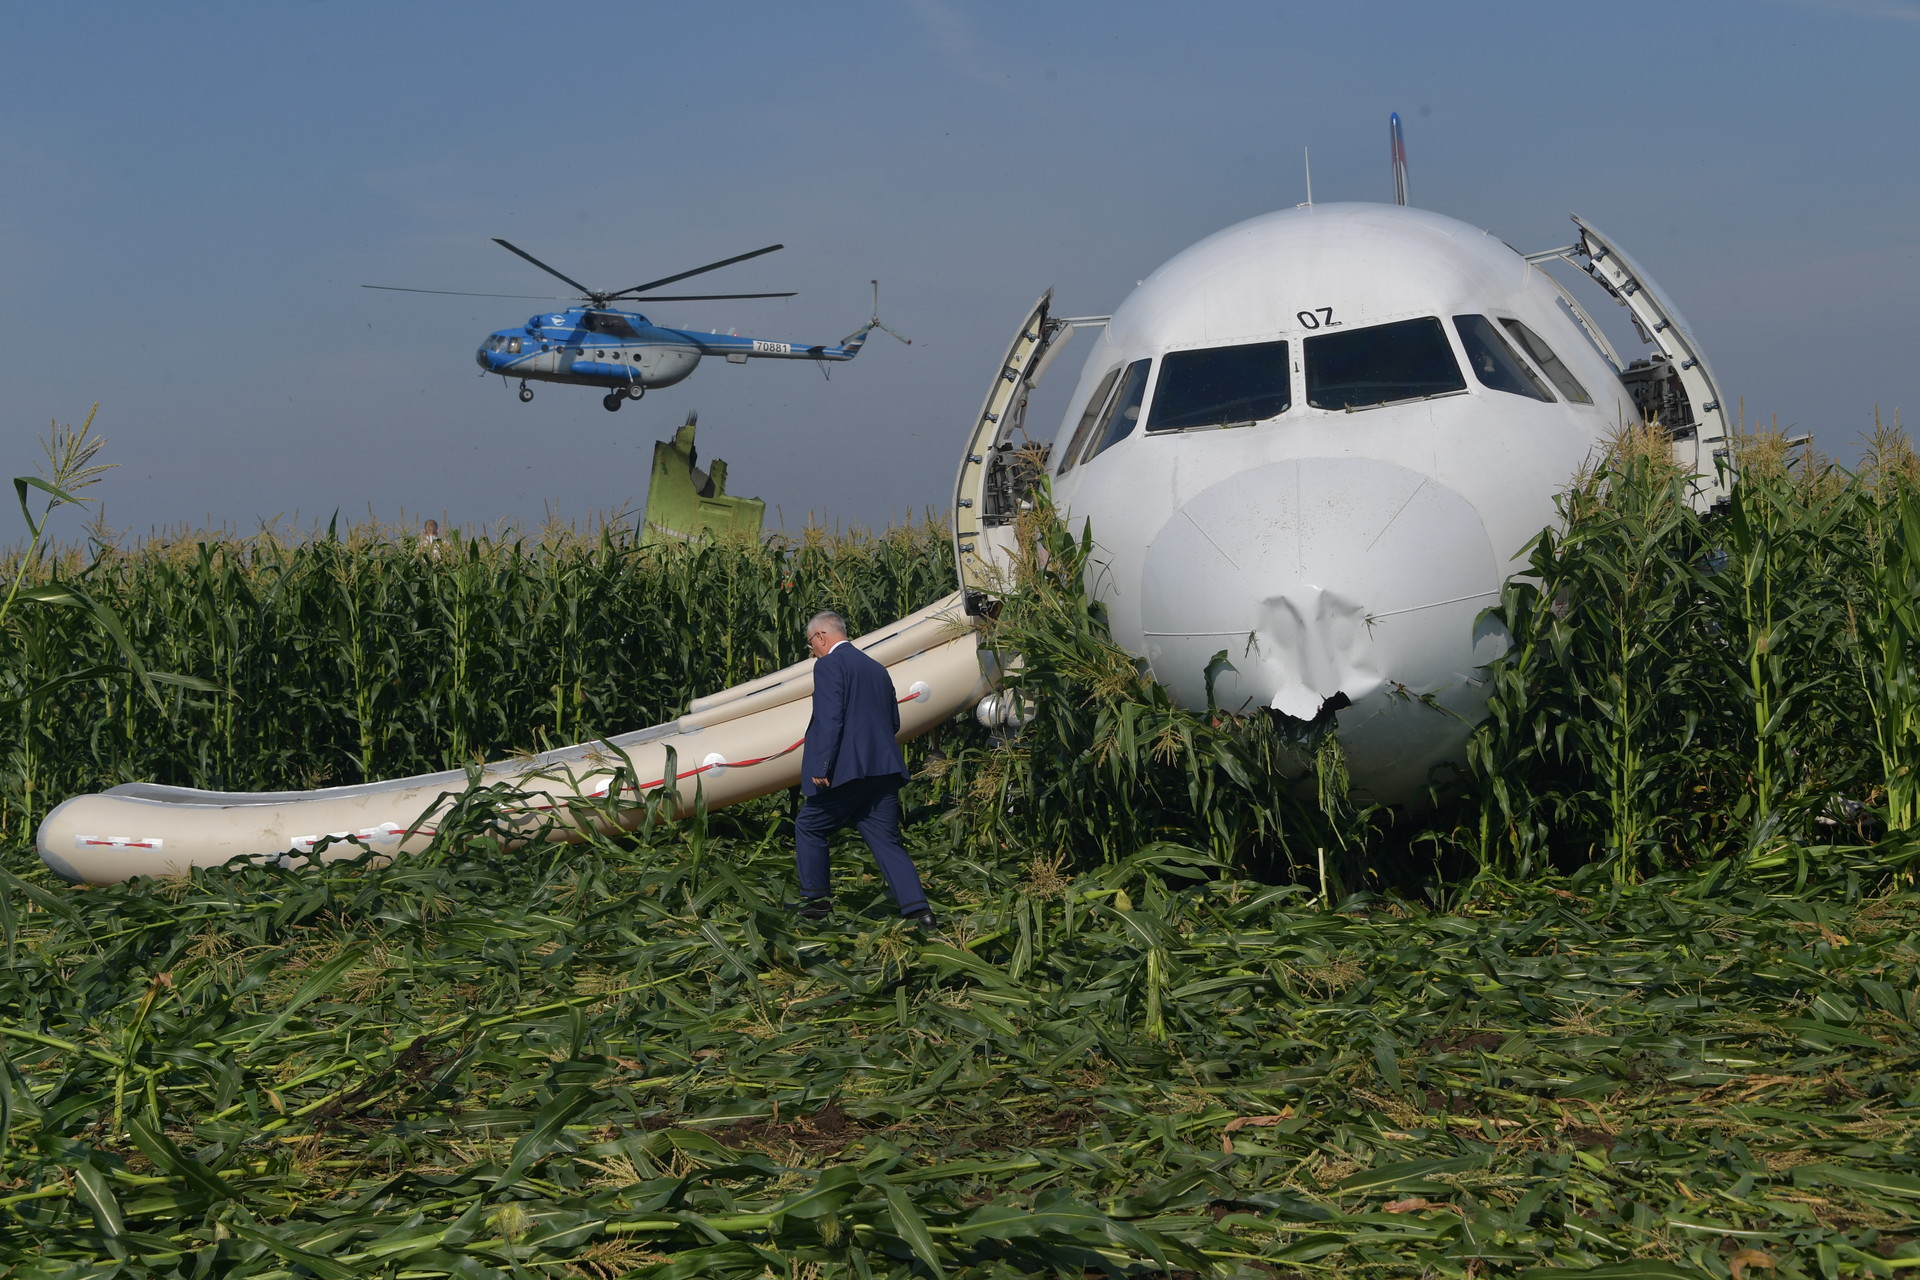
(686, 501)
(1314, 443)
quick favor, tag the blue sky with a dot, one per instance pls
(194, 193)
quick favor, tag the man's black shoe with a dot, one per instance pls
(922, 920)
(814, 909)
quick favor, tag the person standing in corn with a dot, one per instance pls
(851, 772)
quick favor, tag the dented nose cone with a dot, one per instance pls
(1344, 584)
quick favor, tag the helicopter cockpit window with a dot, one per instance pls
(1095, 403)
(1123, 411)
(611, 325)
(513, 346)
(1561, 376)
(1358, 368)
(1495, 363)
(1221, 387)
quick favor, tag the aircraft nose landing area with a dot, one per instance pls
(1330, 576)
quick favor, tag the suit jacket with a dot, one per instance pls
(855, 722)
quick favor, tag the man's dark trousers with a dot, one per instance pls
(872, 805)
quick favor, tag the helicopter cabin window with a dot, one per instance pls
(513, 346)
(1122, 413)
(1495, 363)
(1095, 403)
(1561, 376)
(611, 325)
(1221, 387)
(1381, 364)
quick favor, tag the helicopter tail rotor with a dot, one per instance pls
(858, 337)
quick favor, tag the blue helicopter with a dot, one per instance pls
(599, 345)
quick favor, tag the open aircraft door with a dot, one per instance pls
(1675, 388)
(996, 471)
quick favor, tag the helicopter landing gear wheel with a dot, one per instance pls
(526, 393)
(635, 391)
(612, 402)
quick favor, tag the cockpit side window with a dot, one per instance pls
(513, 346)
(1095, 403)
(1381, 364)
(1123, 413)
(1561, 376)
(611, 325)
(1495, 363)
(1221, 387)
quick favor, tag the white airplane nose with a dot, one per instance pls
(1341, 580)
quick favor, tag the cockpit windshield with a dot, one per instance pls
(1095, 403)
(614, 326)
(1383, 363)
(1549, 363)
(1494, 362)
(1221, 387)
(1122, 413)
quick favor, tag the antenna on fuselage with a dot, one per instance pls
(1306, 158)
(1399, 159)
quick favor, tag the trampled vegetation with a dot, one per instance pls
(1637, 998)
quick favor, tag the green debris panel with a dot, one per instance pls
(685, 502)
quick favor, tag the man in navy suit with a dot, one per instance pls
(851, 771)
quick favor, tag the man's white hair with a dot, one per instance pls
(828, 618)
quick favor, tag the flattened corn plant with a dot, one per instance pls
(625, 1059)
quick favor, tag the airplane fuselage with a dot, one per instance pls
(1311, 449)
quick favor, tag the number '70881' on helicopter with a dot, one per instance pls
(623, 352)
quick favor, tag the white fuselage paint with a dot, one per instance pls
(1331, 551)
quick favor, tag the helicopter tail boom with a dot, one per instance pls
(738, 350)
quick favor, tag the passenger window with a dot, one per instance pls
(1221, 387)
(1405, 360)
(1536, 347)
(1095, 403)
(1494, 362)
(1123, 415)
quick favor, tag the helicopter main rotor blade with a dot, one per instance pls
(711, 266)
(584, 291)
(704, 297)
(461, 293)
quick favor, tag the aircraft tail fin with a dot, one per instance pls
(1399, 147)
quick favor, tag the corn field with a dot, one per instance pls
(1633, 998)
(365, 654)
(1686, 688)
